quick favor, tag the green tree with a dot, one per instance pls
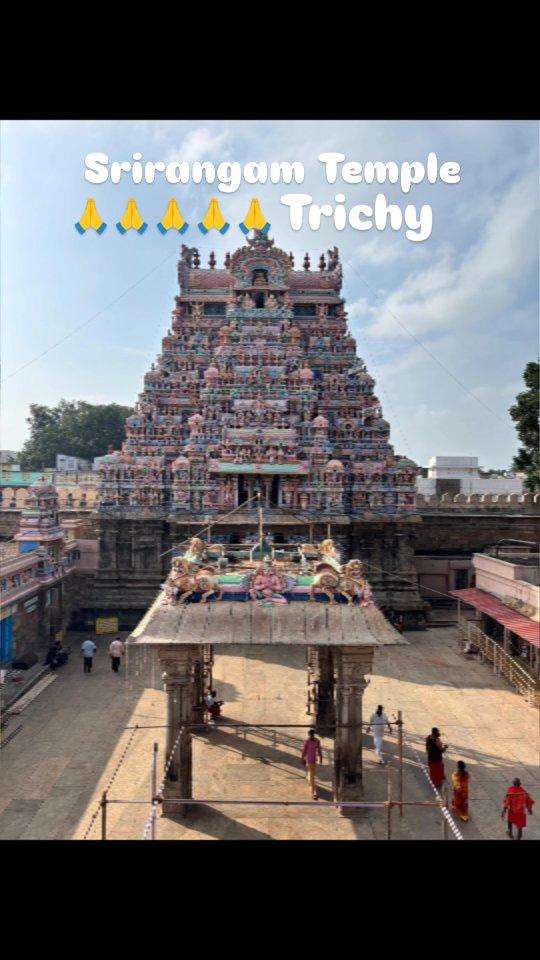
(525, 414)
(79, 429)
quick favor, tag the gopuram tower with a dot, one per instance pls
(257, 396)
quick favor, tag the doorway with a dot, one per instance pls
(242, 490)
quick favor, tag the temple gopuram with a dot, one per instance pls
(258, 399)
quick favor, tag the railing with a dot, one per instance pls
(503, 664)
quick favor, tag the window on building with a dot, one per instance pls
(332, 310)
(214, 309)
(259, 300)
(305, 310)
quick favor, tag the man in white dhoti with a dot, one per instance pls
(378, 721)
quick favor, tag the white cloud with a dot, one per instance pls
(490, 393)
(201, 144)
(358, 308)
(382, 249)
(451, 295)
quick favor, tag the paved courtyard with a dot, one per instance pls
(74, 740)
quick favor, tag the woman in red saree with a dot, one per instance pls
(435, 749)
(460, 798)
(516, 802)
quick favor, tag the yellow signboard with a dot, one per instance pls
(106, 625)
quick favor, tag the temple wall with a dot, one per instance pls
(472, 533)
(128, 568)
(39, 618)
(528, 503)
(26, 626)
(131, 568)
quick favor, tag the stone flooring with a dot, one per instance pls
(74, 741)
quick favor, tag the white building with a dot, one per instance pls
(67, 464)
(462, 475)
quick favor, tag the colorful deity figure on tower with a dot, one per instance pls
(258, 392)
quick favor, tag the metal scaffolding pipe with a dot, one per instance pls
(259, 726)
(294, 803)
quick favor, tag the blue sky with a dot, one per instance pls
(446, 326)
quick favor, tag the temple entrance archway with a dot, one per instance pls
(340, 640)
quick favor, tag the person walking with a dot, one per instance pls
(311, 750)
(88, 649)
(116, 651)
(460, 797)
(516, 802)
(435, 749)
(210, 699)
(378, 721)
(53, 656)
(213, 706)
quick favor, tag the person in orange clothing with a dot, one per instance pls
(435, 749)
(516, 802)
(460, 798)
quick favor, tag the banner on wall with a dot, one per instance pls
(106, 625)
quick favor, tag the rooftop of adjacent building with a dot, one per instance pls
(466, 467)
(511, 574)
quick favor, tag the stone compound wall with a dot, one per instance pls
(513, 503)
(472, 532)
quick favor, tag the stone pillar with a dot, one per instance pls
(182, 695)
(198, 689)
(267, 489)
(325, 707)
(208, 664)
(353, 663)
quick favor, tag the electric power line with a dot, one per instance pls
(85, 323)
(429, 352)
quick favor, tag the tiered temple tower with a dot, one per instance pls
(40, 523)
(258, 386)
(258, 389)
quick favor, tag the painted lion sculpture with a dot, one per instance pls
(349, 582)
(183, 581)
